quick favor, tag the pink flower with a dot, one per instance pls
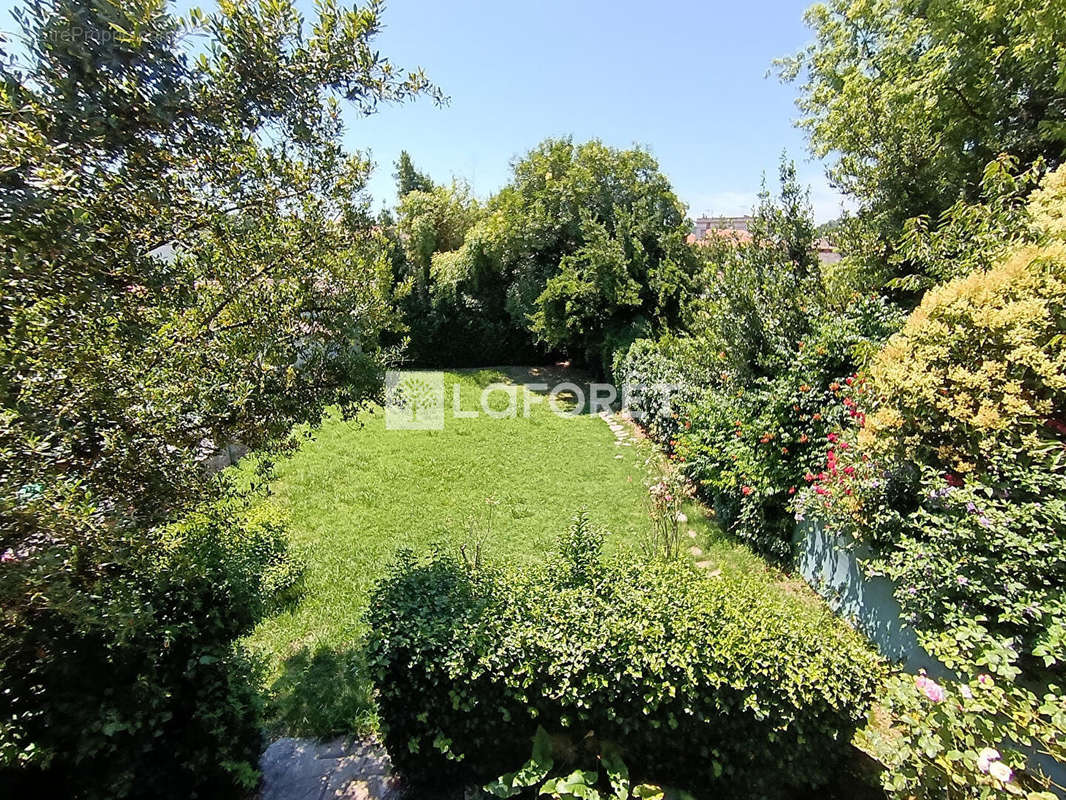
(8, 556)
(986, 757)
(984, 679)
(930, 688)
(849, 470)
(1000, 771)
(832, 437)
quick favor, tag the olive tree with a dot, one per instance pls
(187, 262)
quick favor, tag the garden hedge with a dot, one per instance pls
(710, 684)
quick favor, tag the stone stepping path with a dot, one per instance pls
(622, 437)
(306, 769)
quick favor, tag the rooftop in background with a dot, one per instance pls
(733, 234)
(735, 229)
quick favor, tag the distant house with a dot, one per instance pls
(731, 234)
(738, 229)
(827, 251)
(705, 224)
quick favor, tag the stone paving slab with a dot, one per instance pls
(305, 769)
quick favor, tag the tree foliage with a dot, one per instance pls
(913, 98)
(431, 221)
(762, 294)
(409, 179)
(187, 262)
(584, 249)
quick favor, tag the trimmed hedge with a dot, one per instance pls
(707, 683)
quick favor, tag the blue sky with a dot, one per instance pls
(687, 80)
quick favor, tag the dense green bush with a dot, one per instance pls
(712, 684)
(582, 252)
(654, 380)
(138, 690)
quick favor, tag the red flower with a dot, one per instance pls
(747, 490)
(791, 489)
(849, 470)
(1056, 425)
(821, 490)
(803, 439)
(808, 477)
(849, 380)
(953, 479)
(832, 437)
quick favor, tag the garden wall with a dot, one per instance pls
(829, 562)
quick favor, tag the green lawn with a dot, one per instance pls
(357, 492)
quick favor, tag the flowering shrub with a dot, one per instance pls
(955, 471)
(747, 444)
(666, 496)
(941, 744)
(714, 683)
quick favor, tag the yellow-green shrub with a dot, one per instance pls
(1048, 205)
(978, 373)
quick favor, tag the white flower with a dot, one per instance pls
(964, 690)
(986, 757)
(681, 518)
(1000, 771)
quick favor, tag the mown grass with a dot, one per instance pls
(356, 493)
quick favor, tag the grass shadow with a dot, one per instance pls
(322, 692)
